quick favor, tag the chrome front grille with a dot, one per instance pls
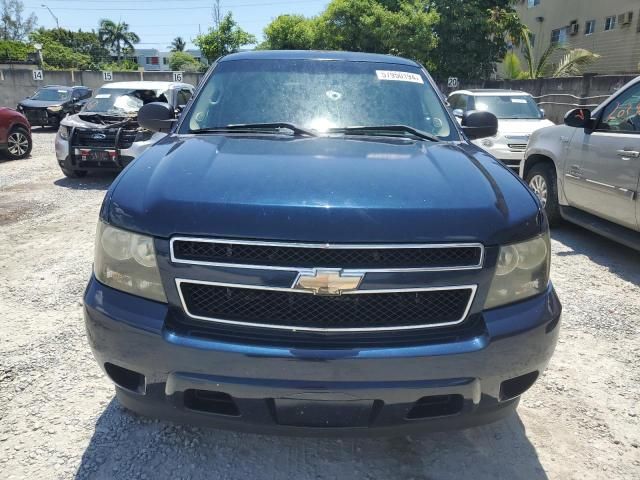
(281, 286)
(289, 309)
(296, 256)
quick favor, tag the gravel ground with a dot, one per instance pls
(59, 418)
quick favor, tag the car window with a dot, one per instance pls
(508, 106)
(52, 94)
(183, 96)
(123, 101)
(319, 95)
(623, 113)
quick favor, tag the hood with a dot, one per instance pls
(321, 190)
(522, 126)
(28, 103)
(96, 121)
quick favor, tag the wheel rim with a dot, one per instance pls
(539, 185)
(18, 144)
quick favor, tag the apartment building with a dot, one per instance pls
(154, 60)
(610, 28)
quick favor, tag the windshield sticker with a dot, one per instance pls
(518, 100)
(103, 95)
(399, 76)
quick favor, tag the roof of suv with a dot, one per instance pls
(488, 91)
(318, 55)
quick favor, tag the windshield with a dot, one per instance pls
(508, 106)
(123, 101)
(318, 96)
(52, 95)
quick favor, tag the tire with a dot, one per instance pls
(542, 180)
(19, 144)
(74, 173)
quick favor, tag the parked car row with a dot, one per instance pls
(586, 171)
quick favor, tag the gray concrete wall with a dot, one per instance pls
(559, 95)
(16, 82)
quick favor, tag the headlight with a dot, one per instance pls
(55, 108)
(127, 261)
(522, 271)
(143, 135)
(64, 132)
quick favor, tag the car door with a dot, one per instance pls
(603, 167)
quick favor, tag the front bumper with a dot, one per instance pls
(123, 158)
(42, 117)
(318, 391)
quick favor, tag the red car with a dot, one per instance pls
(15, 134)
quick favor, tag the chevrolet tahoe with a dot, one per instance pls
(317, 247)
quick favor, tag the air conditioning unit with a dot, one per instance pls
(574, 27)
(625, 18)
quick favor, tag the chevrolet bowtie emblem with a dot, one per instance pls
(323, 281)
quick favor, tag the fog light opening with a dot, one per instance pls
(436, 406)
(207, 401)
(517, 386)
(125, 378)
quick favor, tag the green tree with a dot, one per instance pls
(289, 32)
(58, 57)
(86, 43)
(117, 37)
(472, 36)
(12, 50)
(178, 44)
(399, 27)
(227, 37)
(13, 24)
(570, 61)
(512, 67)
(183, 62)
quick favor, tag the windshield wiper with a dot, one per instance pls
(386, 129)
(276, 127)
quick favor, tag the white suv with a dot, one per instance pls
(518, 117)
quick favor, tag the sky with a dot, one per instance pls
(158, 22)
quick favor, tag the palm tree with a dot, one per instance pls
(117, 37)
(570, 64)
(178, 44)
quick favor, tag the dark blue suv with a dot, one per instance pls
(317, 247)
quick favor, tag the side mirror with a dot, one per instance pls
(578, 118)
(477, 124)
(458, 112)
(157, 117)
(541, 112)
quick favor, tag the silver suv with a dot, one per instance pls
(587, 171)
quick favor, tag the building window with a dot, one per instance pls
(610, 23)
(559, 36)
(533, 3)
(590, 27)
(165, 61)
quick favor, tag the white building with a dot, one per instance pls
(153, 60)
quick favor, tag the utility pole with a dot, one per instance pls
(217, 14)
(54, 17)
